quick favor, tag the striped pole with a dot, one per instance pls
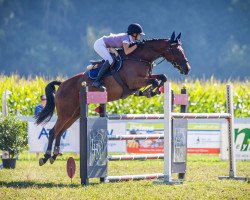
(135, 116)
(136, 137)
(136, 157)
(231, 144)
(201, 115)
(173, 115)
(133, 177)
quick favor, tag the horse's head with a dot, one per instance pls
(175, 54)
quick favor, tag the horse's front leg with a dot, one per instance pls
(144, 82)
(162, 78)
(139, 83)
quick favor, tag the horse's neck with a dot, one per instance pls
(151, 50)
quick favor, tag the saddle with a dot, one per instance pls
(117, 56)
(94, 67)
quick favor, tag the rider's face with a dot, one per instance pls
(136, 36)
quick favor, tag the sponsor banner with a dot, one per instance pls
(148, 145)
(241, 139)
(203, 138)
(116, 128)
(38, 137)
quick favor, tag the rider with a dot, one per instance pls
(121, 40)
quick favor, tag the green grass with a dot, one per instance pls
(29, 181)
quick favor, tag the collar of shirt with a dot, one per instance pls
(130, 39)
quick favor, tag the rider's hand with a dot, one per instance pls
(139, 43)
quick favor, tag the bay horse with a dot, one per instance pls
(135, 74)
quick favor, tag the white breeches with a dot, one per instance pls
(101, 49)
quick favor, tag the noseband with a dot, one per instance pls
(173, 60)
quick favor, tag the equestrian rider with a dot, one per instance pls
(120, 40)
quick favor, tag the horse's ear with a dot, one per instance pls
(172, 37)
(178, 37)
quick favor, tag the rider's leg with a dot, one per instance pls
(98, 83)
(101, 49)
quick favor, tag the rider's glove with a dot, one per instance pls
(139, 43)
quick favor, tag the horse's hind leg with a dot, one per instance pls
(57, 147)
(52, 133)
(58, 137)
(47, 154)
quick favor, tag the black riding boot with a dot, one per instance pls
(98, 82)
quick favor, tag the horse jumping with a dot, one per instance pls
(135, 74)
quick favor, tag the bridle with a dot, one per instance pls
(173, 61)
(161, 55)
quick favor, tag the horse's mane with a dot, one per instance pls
(154, 39)
(147, 41)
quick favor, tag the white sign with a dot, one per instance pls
(116, 128)
(203, 138)
(242, 141)
(38, 137)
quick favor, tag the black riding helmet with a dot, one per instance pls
(135, 28)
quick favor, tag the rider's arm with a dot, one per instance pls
(127, 49)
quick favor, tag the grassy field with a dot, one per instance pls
(29, 181)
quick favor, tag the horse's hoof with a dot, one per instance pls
(155, 83)
(41, 163)
(157, 91)
(51, 160)
(138, 93)
(152, 94)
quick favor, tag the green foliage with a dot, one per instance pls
(13, 135)
(25, 93)
(204, 97)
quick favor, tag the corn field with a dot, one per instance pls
(204, 96)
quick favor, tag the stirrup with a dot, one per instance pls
(98, 84)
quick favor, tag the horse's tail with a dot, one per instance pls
(46, 114)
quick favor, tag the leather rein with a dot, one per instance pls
(153, 64)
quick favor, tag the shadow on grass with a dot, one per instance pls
(28, 184)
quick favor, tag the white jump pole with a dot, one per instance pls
(231, 143)
(167, 132)
(167, 137)
(135, 137)
(231, 146)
